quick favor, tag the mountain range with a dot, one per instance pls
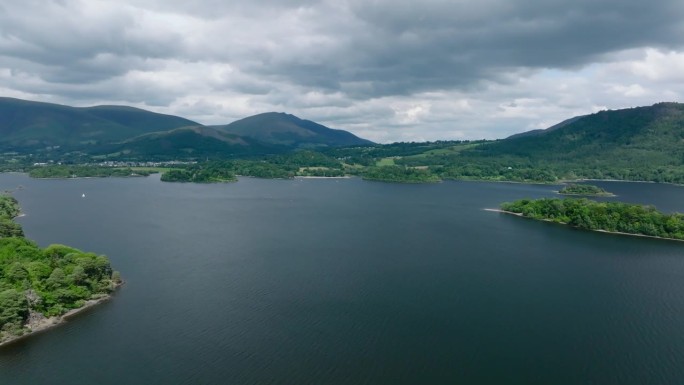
(622, 144)
(27, 126)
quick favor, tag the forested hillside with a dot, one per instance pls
(644, 143)
(29, 126)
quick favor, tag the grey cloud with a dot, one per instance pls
(353, 56)
(392, 47)
(77, 45)
(213, 9)
(407, 46)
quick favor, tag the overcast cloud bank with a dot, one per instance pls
(386, 70)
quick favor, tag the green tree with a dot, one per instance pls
(13, 309)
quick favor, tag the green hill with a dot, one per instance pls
(643, 143)
(263, 134)
(197, 142)
(27, 125)
(288, 130)
(138, 120)
(658, 128)
(56, 131)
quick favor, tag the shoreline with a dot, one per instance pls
(557, 182)
(575, 227)
(42, 323)
(628, 181)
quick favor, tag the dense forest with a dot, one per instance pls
(43, 282)
(607, 216)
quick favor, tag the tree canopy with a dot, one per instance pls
(49, 280)
(607, 216)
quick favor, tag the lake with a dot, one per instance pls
(343, 281)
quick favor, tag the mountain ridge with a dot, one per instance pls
(34, 125)
(28, 126)
(286, 129)
(633, 144)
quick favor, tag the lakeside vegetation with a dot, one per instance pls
(615, 217)
(399, 174)
(431, 162)
(36, 283)
(584, 189)
(84, 171)
(397, 163)
(300, 163)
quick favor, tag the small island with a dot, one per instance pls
(39, 287)
(584, 189)
(613, 217)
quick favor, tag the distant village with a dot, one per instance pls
(126, 164)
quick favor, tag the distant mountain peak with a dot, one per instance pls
(280, 128)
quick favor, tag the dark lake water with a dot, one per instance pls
(351, 282)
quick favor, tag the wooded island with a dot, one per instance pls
(584, 189)
(614, 217)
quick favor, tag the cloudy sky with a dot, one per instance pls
(387, 70)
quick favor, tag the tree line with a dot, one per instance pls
(301, 163)
(519, 160)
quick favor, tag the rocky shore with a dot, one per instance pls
(37, 322)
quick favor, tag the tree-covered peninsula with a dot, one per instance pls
(614, 217)
(584, 189)
(39, 285)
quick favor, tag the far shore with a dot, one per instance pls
(604, 195)
(556, 182)
(625, 180)
(597, 230)
(42, 323)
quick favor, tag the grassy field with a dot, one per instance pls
(385, 162)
